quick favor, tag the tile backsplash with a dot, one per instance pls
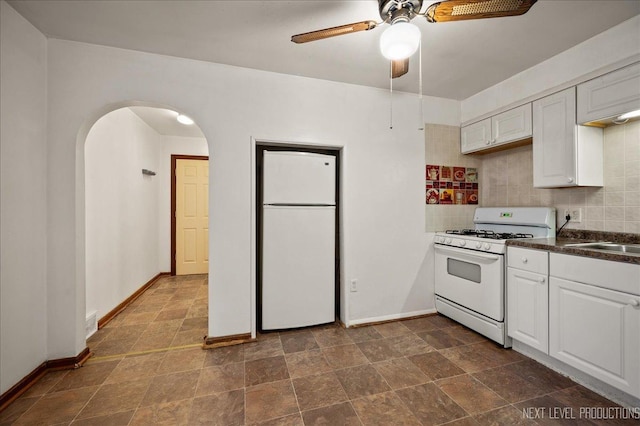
(442, 146)
(506, 179)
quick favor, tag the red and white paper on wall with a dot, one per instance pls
(451, 184)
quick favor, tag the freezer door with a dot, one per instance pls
(298, 266)
(298, 178)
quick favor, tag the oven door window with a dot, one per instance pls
(464, 270)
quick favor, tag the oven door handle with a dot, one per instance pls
(468, 253)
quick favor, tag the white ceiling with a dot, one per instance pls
(460, 58)
(164, 122)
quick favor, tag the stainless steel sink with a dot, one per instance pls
(621, 248)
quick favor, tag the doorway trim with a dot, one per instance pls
(174, 158)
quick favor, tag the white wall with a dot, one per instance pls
(23, 197)
(620, 44)
(121, 208)
(180, 146)
(385, 245)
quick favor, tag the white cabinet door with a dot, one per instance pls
(609, 95)
(527, 308)
(564, 154)
(501, 129)
(475, 136)
(554, 148)
(597, 331)
(511, 125)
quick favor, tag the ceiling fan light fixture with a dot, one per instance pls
(400, 40)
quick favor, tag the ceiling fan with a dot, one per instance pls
(401, 39)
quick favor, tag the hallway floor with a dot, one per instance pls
(148, 368)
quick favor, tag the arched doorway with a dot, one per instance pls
(127, 199)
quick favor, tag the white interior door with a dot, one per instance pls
(192, 216)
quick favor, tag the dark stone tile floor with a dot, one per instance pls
(148, 368)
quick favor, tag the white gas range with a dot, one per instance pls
(470, 265)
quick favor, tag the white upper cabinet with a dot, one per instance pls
(511, 125)
(564, 154)
(609, 95)
(475, 136)
(501, 129)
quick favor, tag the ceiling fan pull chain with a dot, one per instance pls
(421, 123)
(390, 94)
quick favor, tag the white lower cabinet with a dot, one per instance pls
(527, 308)
(582, 311)
(596, 330)
(527, 297)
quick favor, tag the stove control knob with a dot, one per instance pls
(487, 246)
(478, 245)
(463, 243)
(441, 239)
(448, 241)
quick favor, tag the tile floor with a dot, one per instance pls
(148, 368)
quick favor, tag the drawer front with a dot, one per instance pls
(617, 276)
(528, 260)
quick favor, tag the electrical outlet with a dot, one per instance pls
(354, 285)
(575, 213)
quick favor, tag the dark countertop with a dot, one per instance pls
(571, 236)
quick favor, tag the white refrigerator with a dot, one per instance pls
(298, 239)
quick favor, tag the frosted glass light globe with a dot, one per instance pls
(400, 41)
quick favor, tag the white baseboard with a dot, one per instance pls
(391, 317)
(91, 324)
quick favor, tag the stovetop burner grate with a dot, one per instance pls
(462, 231)
(481, 233)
